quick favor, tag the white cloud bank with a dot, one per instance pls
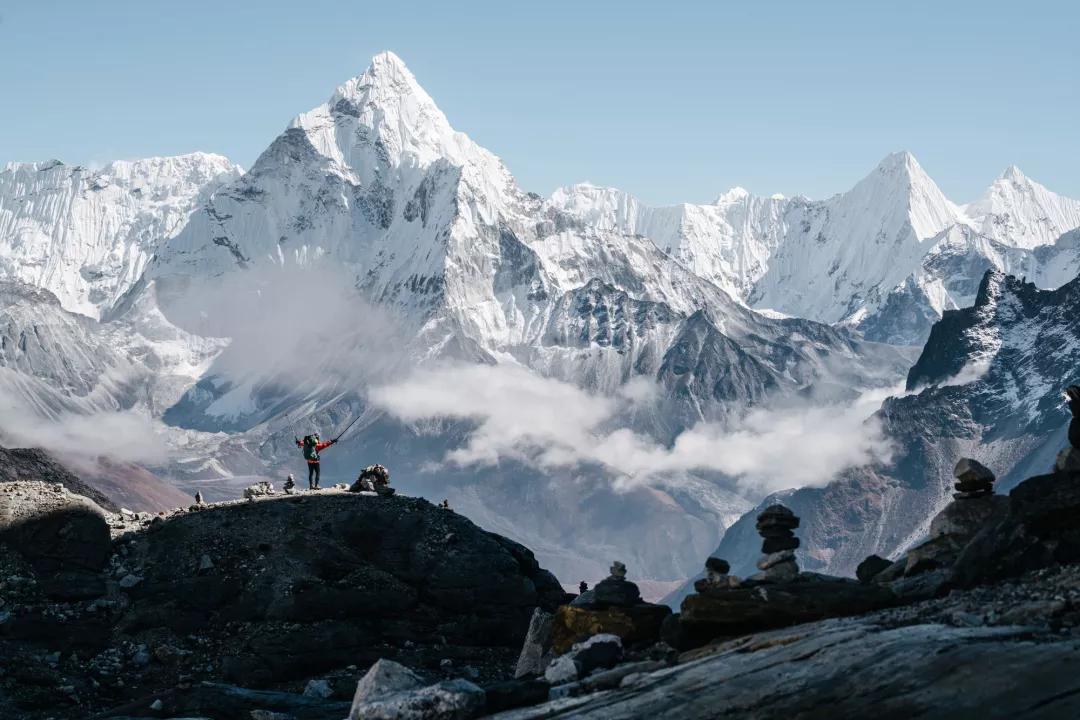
(529, 418)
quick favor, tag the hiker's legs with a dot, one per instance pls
(312, 473)
(317, 473)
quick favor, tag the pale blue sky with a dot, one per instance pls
(673, 101)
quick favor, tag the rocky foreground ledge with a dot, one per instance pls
(269, 593)
(322, 606)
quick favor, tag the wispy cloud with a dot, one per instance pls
(520, 415)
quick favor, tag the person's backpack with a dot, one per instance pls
(310, 453)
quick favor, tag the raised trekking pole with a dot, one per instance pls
(347, 428)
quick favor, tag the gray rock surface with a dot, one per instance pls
(447, 700)
(536, 650)
(383, 679)
(850, 666)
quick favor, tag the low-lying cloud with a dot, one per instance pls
(123, 435)
(298, 325)
(521, 416)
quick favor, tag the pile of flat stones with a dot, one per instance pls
(776, 525)
(716, 576)
(973, 480)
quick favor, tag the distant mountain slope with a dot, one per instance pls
(988, 385)
(87, 235)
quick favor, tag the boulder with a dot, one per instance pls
(706, 617)
(637, 625)
(448, 700)
(64, 537)
(383, 679)
(1041, 528)
(938, 552)
(972, 471)
(599, 651)
(774, 559)
(536, 650)
(871, 567)
(318, 688)
(965, 519)
(563, 669)
(716, 567)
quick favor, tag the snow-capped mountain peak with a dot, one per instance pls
(387, 101)
(735, 194)
(1018, 211)
(898, 191)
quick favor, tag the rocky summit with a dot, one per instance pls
(266, 594)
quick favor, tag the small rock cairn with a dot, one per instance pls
(614, 590)
(716, 576)
(973, 480)
(776, 525)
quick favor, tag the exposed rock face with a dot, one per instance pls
(332, 573)
(736, 611)
(64, 537)
(1042, 528)
(262, 592)
(854, 667)
(36, 464)
(536, 650)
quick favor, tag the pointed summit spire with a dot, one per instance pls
(1013, 173)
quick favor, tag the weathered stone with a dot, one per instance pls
(871, 567)
(937, 552)
(777, 516)
(773, 559)
(717, 566)
(636, 626)
(536, 650)
(1042, 528)
(605, 679)
(780, 572)
(778, 544)
(738, 611)
(318, 688)
(383, 679)
(964, 519)
(969, 470)
(609, 592)
(563, 669)
(599, 651)
(448, 700)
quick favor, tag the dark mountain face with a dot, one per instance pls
(988, 385)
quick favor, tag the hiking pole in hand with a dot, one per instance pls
(347, 428)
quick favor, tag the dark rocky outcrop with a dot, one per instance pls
(35, 464)
(265, 593)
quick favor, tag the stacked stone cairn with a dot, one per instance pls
(716, 576)
(776, 525)
(973, 480)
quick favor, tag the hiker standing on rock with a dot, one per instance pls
(311, 445)
(1073, 394)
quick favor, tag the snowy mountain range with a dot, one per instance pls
(988, 385)
(887, 257)
(371, 241)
